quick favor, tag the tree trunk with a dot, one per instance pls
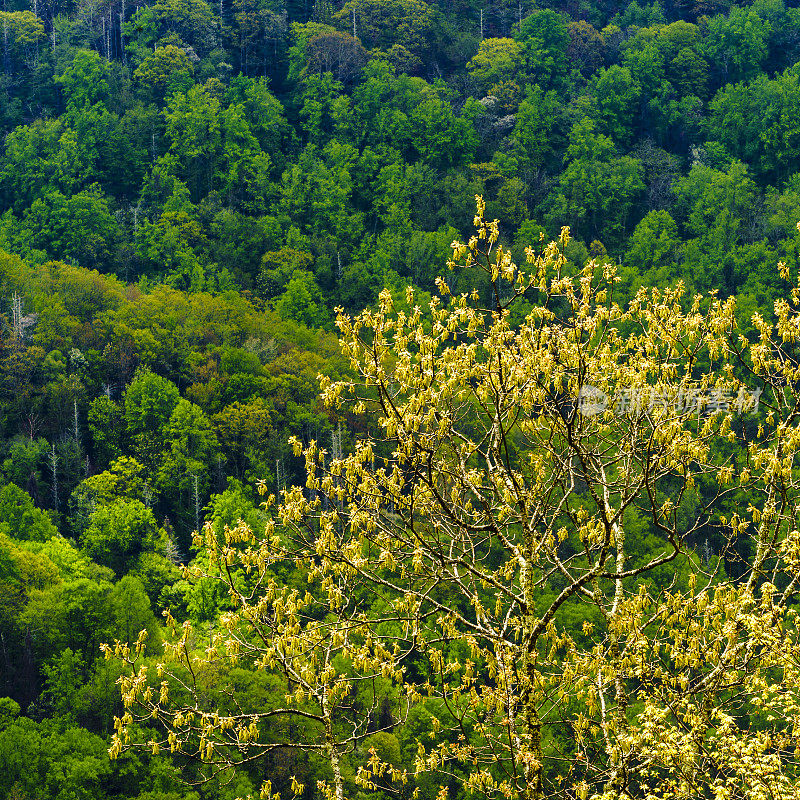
(330, 747)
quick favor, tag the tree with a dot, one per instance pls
(597, 190)
(106, 427)
(757, 122)
(536, 129)
(337, 53)
(192, 20)
(132, 611)
(277, 267)
(191, 445)
(381, 104)
(585, 49)
(265, 115)
(73, 613)
(496, 61)
(149, 403)
(171, 243)
(544, 38)
(317, 196)
(737, 44)
(617, 100)
(24, 520)
(441, 138)
(123, 480)
(493, 527)
(194, 128)
(118, 532)
(24, 26)
(689, 73)
(261, 26)
(242, 430)
(38, 156)
(83, 82)
(717, 207)
(165, 71)
(651, 253)
(302, 300)
(79, 226)
(383, 23)
(319, 94)
(26, 30)
(238, 242)
(43, 760)
(25, 462)
(245, 169)
(644, 57)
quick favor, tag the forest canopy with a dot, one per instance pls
(189, 190)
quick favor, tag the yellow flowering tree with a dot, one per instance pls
(523, 538)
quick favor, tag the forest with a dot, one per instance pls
(190, 193)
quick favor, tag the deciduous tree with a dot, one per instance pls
(500, 501)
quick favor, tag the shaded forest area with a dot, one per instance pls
(187, 192)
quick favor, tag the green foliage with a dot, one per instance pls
(118, 532)
(496, 61)
(652, 253)
(23, 520)
(317, 197)
(617, 102)
(737, 44)
(124, 479)
(149, 403)
(38, 157)
(265, 116)
(757, 123)
(278, 266)
(441, 138)
(194, 130)
(132, 612)
(106, 427)
(544, 38)
(191, 20)
(384, 23)
(598, 189)
(302, 300)
(68, 560)
(165, 71)
(189, 189)
(77, 227)
(537, 122)
(73, 614)
(715, 207)
(25, 27)
(25, 461)
(9, 711)
(40, 760)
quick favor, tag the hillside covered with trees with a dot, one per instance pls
(189, 191)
